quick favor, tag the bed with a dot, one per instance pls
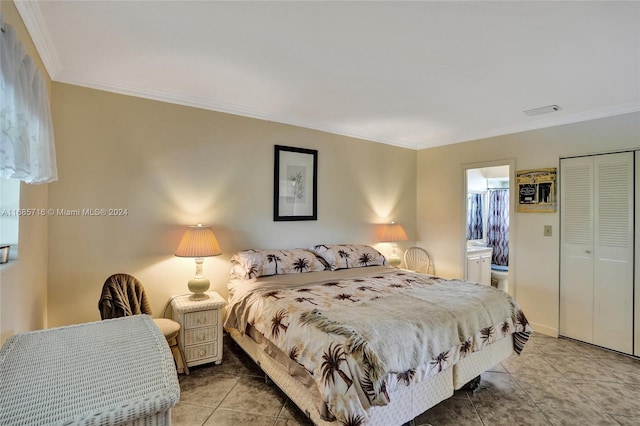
(352, 341)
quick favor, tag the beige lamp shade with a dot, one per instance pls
(198, 242)
(392, 232)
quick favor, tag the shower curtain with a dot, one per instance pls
(474, 216)
(498, 226)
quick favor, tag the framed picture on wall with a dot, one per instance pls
(295, 184)
(537, 190)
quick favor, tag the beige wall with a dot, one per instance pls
(23, 282)
(172, 166)
(536, 265)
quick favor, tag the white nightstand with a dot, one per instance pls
(201, 328)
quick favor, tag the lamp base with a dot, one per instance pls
(198, 285)
(394, 260)
(198, 296)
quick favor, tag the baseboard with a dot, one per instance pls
(544, 329)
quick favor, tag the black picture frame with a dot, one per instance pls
(295, 184)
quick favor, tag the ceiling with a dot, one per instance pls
(411, 74)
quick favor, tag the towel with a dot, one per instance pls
(123, 295)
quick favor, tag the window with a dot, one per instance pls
(27, 148)
(9, 214)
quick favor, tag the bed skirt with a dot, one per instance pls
(406, 402)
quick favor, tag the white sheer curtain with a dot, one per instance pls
(27, 147)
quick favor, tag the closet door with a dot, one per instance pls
(596, 250)
(613, 252)
(576, 248)
(636, 351)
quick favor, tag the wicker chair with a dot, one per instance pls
(123, 295)
(417, 259)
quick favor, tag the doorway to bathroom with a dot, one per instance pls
(488, 224)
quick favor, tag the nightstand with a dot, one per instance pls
(201, 328)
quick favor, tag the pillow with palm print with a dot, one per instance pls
(247, 264)
(345, 256)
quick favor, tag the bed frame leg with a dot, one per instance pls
(473, 385)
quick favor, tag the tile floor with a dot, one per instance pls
(554, 382)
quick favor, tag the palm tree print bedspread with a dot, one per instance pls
(360, 337)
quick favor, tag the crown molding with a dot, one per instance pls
(32, 17)
(203, 103)
(537, 124)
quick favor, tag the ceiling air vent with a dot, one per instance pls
(543, 110)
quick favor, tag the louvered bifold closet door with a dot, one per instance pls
(596, 249)
(613, 252)
(576, 248)
(636, 277)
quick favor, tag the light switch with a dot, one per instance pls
(547, 230)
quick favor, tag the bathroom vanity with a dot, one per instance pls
(479, 264)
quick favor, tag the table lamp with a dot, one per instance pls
(198, 242)
(390, 233)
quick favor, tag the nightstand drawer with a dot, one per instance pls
(194, 353)
(200, 319)
(196, 336)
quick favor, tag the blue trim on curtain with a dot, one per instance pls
(498, 226)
